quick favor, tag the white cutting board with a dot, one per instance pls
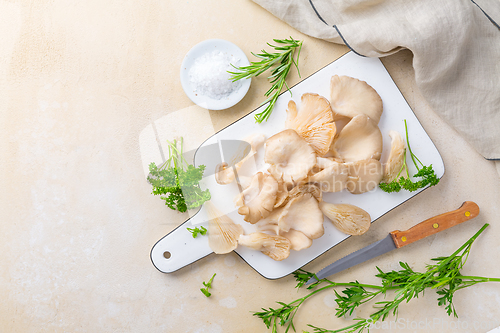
(182, 249)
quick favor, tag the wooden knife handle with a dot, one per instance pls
(435, 224)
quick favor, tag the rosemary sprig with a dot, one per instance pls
(444, 276)
(282, 61)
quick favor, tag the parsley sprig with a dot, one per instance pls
(195, 231)
(444, 276)
(207, 285)
(425, 173)
(282, 61)
(177, 182)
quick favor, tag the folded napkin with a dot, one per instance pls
(455, 44)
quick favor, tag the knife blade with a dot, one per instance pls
(397, 239)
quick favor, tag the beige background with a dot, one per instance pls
(79, 81)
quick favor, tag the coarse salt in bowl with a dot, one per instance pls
(204, 75)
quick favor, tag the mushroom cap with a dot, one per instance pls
(302, 213)
(276, 247)
(257, 200)
(396, 158)
(314, 122)
(349, 219)
(360, 139)
(290, 156)
(332, 176)
(223, 233)
(297, 239)
(320, 138)
(364, 176)
(270, 223)
(351, 97)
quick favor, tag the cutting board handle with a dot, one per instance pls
(435, 224)
(178, 248)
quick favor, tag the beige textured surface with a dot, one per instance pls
(79, 82)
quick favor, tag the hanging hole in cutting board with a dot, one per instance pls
(167, 255)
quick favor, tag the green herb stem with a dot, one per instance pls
(444, 276)
(207, 285)
(176, 181)
(426, 173)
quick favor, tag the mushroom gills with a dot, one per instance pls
(223, 233)
(349, 219)
(314, 122)
(276, 247)
(396, 158)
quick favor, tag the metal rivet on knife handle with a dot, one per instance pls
(467, 211)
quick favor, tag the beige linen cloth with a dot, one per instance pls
(455, 44)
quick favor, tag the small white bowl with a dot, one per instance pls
(199, 50)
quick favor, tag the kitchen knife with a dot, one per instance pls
(397, 239)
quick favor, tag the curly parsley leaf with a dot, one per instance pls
(177, 182)
(425, 173)
(195, 231)
(207, 285)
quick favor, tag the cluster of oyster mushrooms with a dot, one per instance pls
(327, 146)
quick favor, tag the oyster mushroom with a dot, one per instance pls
(350, 97)
(270, 223)
(276, 247)
(223, 233)
(290, 156)
(396, 158)
(282, 194)
(302, 213)
(299, 190)
(224, 174)
(257, 201)
(305, 188)
(364, 176)
(331, 176)
(314, 122)
(297, 239)
(349, 219)
(359, 139)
